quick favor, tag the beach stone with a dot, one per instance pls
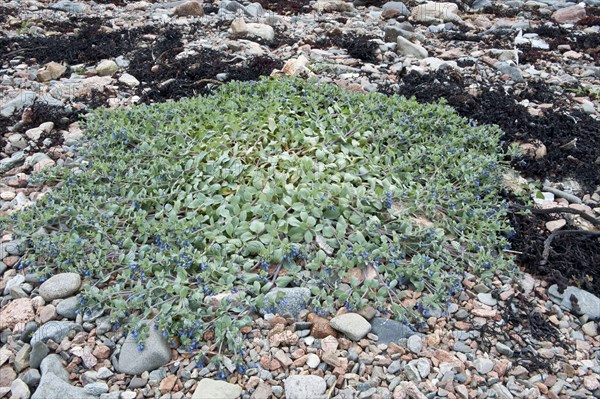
(51, 71)
(333, 6)
(587, 304)
(389, 330)
(18, 311)
(414, 344)
(54, 330)
(7, 376)
(156, 353)
(107, 68)
(96, 388)
(569, 14)
(406, 47)
(501, 391)
(32, 378)
(240, 28)
(294, 300)
(69, 307)
(53, 364)
(483, 366)
(39, 351)
(590, 328)
(304, 386)
(22, 358)
(189, 9)
(68, 6)
(512, 71)
(129, 80)
(53, 387)
(353, 325)
(19, 390)
(487, 299)
(312, 361)
(434, 12)
(16, 159)
(504, 349)
(14, 281)
(208, 388)
(60, 286)
(397, 6)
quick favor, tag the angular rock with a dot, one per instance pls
(189, 9)
(60, 286)
(54, 330)
(577, 301)
(51, 71)
(156, 353)
(39, 351)
(570, 15)
(32, 378)
(353, 325)
(389, 330)
(406, 47)
(304, 386)
(18, 311)
(22, 358)
(320, 327)
(208, 388)
(7, 376)
(294, 300)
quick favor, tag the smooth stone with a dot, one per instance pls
(396, 5)
(487, 299)
(483, 366)
(39, 351)
(107, 68)
(587, 304)
(156, 353)
(504, 349)
(60, 286)
(54, 330)
(313, 361)
(510, 70)
(389, 330)
(53, 364)
(19, 389)
(294, 301)
(96, 388)
(414, 344)
(208, 388)
(69, 307)
(460, 346)
(353, 325)
(68, 6)
(435, 12)
(304, 386)
(53, 387)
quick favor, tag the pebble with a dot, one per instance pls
(155, 353)
(60, 286)
(353, 325)
(304, 386)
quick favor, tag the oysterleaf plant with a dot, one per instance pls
(183, 215)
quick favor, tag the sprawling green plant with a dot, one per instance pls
(272, 183)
